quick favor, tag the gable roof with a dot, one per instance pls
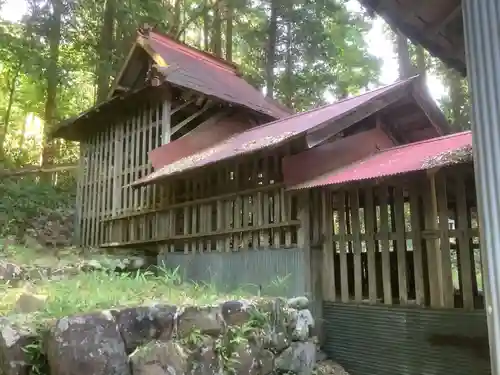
(418, 156)
(317, 125)
(187, 67)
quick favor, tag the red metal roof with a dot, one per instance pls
(397, 160)
(202, 72)
(331, 156)
(205, 135)
(272, 134)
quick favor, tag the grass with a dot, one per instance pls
(100, 290)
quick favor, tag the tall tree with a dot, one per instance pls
(404, 60)
(52, 78)
(105, 50)
(271, 48)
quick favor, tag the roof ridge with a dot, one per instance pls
(186, 48)
(300, 114)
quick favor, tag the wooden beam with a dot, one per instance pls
(32, 169)
(118, 78)
(183, 105)
(144, 43)
(438, 26)
(433, 113)
(198, 113)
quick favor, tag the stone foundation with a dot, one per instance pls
(244, 337)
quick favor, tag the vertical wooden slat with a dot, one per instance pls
(356, 230)
(86, 192)
(166, 121)
(107, 176)
(399, 219)
(277, 214)
(344, 279)
(144, 155)
(467, 272)
(303, 236)
(265, 203)
(117, 183)
(247, 237)
(444, 271)
(328, 272)
(416, 235)
(82, 167)
(384, 245)
(186, 223)
(285, 215)
(369, 212)
(220, 214)
(432, 245)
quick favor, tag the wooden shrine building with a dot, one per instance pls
(367, 204)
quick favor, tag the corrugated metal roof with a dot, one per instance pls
(397, 160)
(344, 151)
(206, 74)
(272, 134)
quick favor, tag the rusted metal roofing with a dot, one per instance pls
(209, 133)
(330, 156)
(199, 71)
(276, 132)
(397, 160)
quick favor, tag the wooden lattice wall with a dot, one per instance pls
(112, 159)
(404, 242)
(226, 207)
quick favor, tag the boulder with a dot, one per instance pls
(303, 325)
(139, 325)
(251, 360)
(329, 367)
(160, 358)
(299, 358)
(87, 344)
(10, 272)
(29, 303)
(207, 320)
(236, 313)
(203, 360)
(13, 341)
(298, 303)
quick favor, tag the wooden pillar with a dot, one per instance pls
(166, 119)
(328, 259)
(438, 257)
(304, 238)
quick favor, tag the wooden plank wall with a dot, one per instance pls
(111, 160)
(227, 207)
(410, 244)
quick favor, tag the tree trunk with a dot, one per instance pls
(8, 111)
(229, 31)
(217, 30)
(405, 66)
(289, 66)
(421, 64)
(105, 52)
(54, 40)
(271, 49)
(460, 120)
(175, 28)
(206, 26)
